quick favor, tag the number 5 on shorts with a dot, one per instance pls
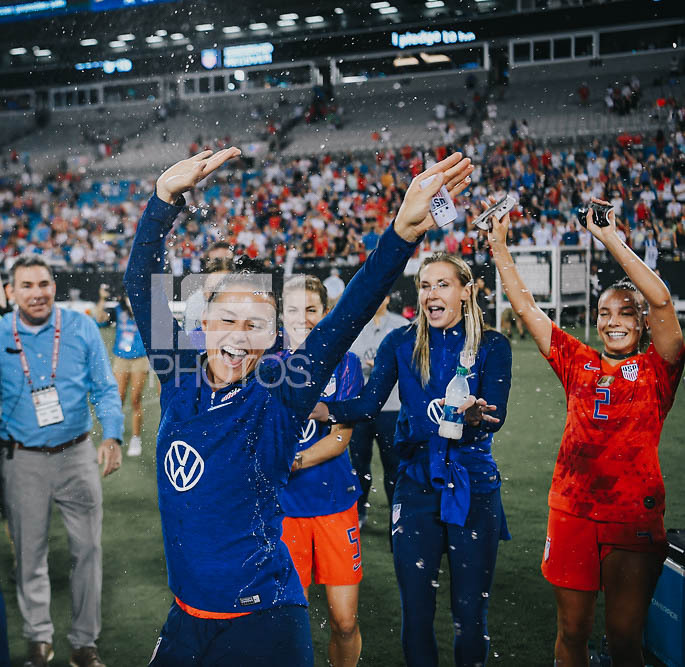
(354, 541)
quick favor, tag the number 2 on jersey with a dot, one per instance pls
(605, 394)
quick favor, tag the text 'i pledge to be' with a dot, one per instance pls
(431, 37)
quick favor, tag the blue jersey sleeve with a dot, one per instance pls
(495, 383)
(166, 345)
(375, 392)
(311, 366)
(351, 378)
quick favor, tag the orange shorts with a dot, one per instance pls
(576, 546)
(329, 543)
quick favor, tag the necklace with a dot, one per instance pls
(618, 357)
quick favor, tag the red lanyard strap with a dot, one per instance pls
(55, 347)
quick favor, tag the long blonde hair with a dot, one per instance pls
(471, 314)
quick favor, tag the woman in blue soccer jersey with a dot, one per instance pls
(321, 525)
(230, 422)
(447, 496)
(130, 365)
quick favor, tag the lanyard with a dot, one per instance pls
(55, 347)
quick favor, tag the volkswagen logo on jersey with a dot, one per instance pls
(183, 465)
(629, 372)
(308, 431)
(435, 411)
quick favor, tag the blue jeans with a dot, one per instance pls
(419, 540)
(361, 451)
(277, 636)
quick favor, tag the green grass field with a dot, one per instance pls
(522, 613)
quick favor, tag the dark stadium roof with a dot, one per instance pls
(192, 24)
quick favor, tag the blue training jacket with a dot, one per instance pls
(223, 457)
(455, 467)
(332, 486)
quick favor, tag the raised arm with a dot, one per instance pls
(664, 327)
(537, 322)
(329, 340)
(168, 347)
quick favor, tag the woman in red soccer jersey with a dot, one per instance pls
(606, 528)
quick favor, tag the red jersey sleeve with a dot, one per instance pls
(667, 377)
(562, 350)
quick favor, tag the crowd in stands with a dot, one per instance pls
(317, 210)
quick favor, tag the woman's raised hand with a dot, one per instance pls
(601, 233)
(498, 229)
(188, 173)
(414, 217)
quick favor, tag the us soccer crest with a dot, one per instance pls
(330, 387)
(629, 372)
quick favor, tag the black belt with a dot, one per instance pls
(57, 448)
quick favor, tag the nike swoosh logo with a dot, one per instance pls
(587, 367)
(394, 530)
(221, 405)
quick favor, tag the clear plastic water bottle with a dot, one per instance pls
(452, 423)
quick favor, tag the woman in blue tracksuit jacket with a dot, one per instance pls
(230, 420)
(447, 497)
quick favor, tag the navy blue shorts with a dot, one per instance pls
(279, 636)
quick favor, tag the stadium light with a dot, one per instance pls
(405, 61)
(161, 33)
(154, 39)
(239, 75)
(388, 10)
(204, 27)
(176, 36)
(126, 37)
(355, 79)
(117, 44)
(379, 5)
(19, 51)
(434, 4)
(90, 41)
(432, 58)
(42, 53)
(289, 17)
(313, 19)
(230, 29)
(285, 23)
(258, 26)
(339, 10)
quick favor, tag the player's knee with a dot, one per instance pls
(624, 641)
(574, 630)
(344, 625)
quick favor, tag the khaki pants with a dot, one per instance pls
(70, 479)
